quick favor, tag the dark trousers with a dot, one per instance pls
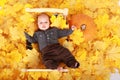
(52, 55)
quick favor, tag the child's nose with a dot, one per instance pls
(44, 24)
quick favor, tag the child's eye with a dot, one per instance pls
(40, 22)
(43, 22)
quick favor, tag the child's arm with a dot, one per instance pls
(28, 45)
(30, 38)
(65, 32)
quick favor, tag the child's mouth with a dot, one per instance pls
(43, 26)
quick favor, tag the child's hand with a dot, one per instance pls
(60, 69)
(26, 34)
(73, 27)
(28, 45)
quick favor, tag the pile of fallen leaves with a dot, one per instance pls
(98, 58)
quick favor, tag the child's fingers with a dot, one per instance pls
(73, 27)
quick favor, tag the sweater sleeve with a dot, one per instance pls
(31, 39)
(64, 32)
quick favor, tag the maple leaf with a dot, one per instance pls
(113, 53)
(44, 75)
(2, 41)
(118, 30)
(58, 21)
(1, 31)
(81, 55)
(68, 45)
(67, 76)
(55, 75)
(27, 18)
(115, 40)
(77, 37)
(100, 45)
(13, 59)
(14, 33)
(2, 2)
(102, 20)
(6, 74)
(32, 59)
(35, 75)
(15, 56)
(17, 7)
(2, 62)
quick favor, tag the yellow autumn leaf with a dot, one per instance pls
(64, 24)
(100, 45)
(53, 18)
(5, 74)
(27, 18)
(17, 33)
(32, 59)
(44, 75)
(2, 41)
(2, 62)
(17, 7)
(13, 59)
(117, 31)
(2, 12)
(1, 31)
(9, 46)
(117, 63)
(77, 72)
(89, 4)
(8, 74)
(68, 45)
(2, 2)
(67, 76)
(55, 75)
(81, 55)
(113, 24)
(102, 20)
(58, 21)
(35, 75)
(7, 11)
(96, 57)
(116, 40)
(27, 5)
(15, 56)
(77, 37)
(113, 53)
(14, 33)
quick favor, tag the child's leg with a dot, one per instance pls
(69, 59)
(51, 64)
(71, 62)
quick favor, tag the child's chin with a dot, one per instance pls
(44, 29)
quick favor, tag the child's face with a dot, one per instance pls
(43, 22)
